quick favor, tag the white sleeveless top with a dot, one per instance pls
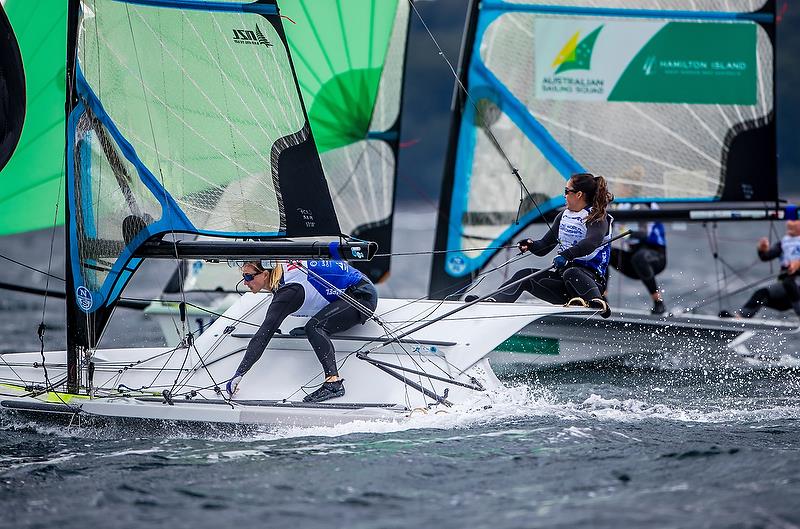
(790, 249)
(572, 230)
(313, 301)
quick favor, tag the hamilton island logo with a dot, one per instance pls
(248, 36)
(84, 298)
(576, 55)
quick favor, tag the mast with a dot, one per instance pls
(440, 284)
(76, 321)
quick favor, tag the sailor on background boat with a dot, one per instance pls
(312, 288)
(644, 256)
(579, 232)
(785, 292)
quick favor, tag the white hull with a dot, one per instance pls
(572, 338)
(125, 380)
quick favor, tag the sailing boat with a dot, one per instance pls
(671, 100)
(186, 119)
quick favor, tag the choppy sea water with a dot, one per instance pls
(657, 439)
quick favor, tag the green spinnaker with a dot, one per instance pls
(339, 49)
(31, 183)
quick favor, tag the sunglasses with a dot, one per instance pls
(567, 191)
(249, 277)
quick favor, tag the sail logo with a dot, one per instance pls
(248, 36)
(576, 55)
(649, 64)
(456, 265)
(84, 298)
(570, 73)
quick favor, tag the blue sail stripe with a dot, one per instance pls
(199, 5)
(500, 5)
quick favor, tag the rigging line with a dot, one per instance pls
(697, 291)
(363, 310)
(465, 285)
(485, 128)
(733, 293)
(434, 252)
(713, 248)
(31, 268)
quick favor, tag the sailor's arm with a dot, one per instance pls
(544, 245)
(767, 252)
(286, 300)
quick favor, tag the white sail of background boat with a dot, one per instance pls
(671, 100)
(175, 108)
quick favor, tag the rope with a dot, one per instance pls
(485, 127)
(436, 252)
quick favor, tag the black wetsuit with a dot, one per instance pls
(782, 295)
(643, 261)
(337, 316)
(575, 280)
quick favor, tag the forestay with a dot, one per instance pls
(670, 100)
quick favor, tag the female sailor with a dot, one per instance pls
(312, 288)
(784, 293)
(581, 232)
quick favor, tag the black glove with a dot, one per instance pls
(525, 245)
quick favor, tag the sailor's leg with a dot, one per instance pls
(763, 296)
(581, 282)
(643, 262)
(548, 287)
(792, 293)
(335, 317)
(621, 260)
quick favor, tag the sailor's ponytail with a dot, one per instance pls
(597, 194)
(275, 276)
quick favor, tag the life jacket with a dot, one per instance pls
(322, 284)
(790, 249)
(656, 235)
(572, 230)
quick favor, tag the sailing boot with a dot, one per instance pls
(658, 308)
(602, 307)
(473, 297)
(328, 390)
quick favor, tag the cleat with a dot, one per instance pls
(658, 308)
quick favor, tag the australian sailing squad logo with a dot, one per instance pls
(575, 56)
(84, 298)
(248, 36)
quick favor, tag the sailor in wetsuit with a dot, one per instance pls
(644, 258)
(784, 293)
(313, 289)
(579, 232)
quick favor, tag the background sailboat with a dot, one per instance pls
(672, 101)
